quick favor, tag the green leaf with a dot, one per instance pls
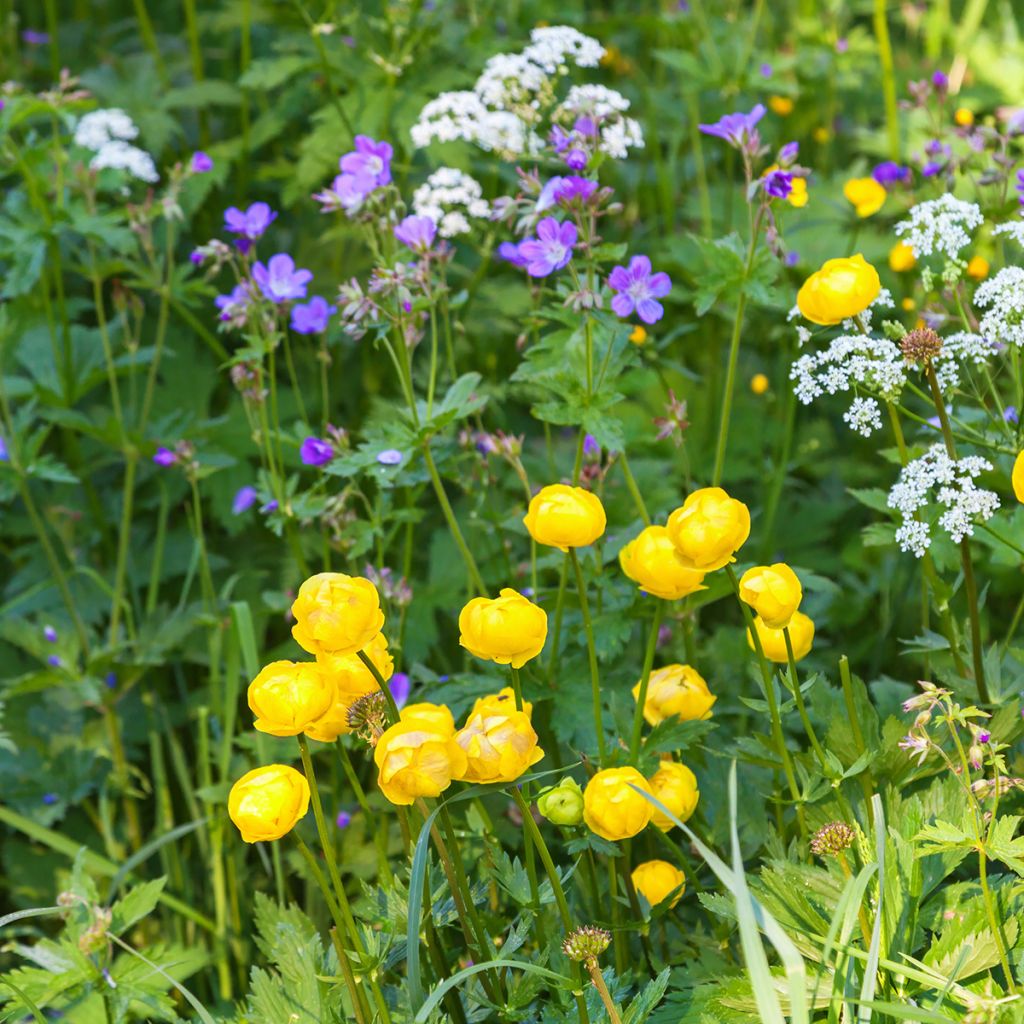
(136, 904)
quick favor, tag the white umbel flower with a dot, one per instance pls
(553, 47)
(449, 198)
(940, 225)
(864, 416)
(99, 127)
(1003, 298)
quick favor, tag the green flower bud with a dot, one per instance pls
(562, 804)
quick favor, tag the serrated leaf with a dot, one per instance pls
(135, 904)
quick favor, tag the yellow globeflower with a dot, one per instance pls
(652, 562)
(415, 758)
(565, 517)
(1017, 477)
(964, 117)
(499, 745)
(773, 643)
(676, 691)
(865, 195)
(287, 697)
(437, 717)
(773, 591)
(759, 383)
(977, 267)
(503, 700)
(676, 787)
(709, 528)
(562, 804)
(352, 680)
(336, 614)
(508, 629)
(842, 288)
(781, 105)
(268, 802)
(901, 257)
(656, 879)
(612, 808)
(798, 193)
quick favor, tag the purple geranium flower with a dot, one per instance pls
(165, 457)
(576, 159)
(789, 152)
(590, 445)
(251, 223)
(389, 457)
(1010, 414)
(5, 455)
(509, 251)
(312, 317)
(400, 685)
(1019, 186)
(369, 164)
(271, 506)
(792, 258)
(279, 280)
(235, 304)
(316, 452)
(50, 634)
(54, 660)
(343, 820)
(417, 233)
(639, 289)
(245, 498)
(201, 162)
(766, 70)
(574, 187)
(737, 129)
(778, 184)
(940, 81)
(550, 250)
(889, 173)
(548, 194)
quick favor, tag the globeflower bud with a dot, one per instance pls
(773, 641)
(651, 560)
(268, 802)
(336, 614)
(508, 629)
(674, 785)
(841, 289)
(565, 517)
(865, 194)
(773, 591)
(676, 691)
(499, 745)
(416, 759)
(612, 808)
(901, 257)
(352, 680)
(562, 804)
(708, 529)
(287, 697)
(655, 880)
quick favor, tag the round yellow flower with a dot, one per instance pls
(773, 643)
(437, 717)
(709, 528)
(1017, 477)
(865, 194)
(565, 517)
(352, 680)
(508, 629)
(759, 383)
(414, 758)
(656, 879)
(562, 804)
(901, 257)
(676, 691)
(773, 591)
(287, 697)
(268, 802)
(676, 787)
(612, 808)
(798, 195)
(503, 700)
(652, 562)
(336, 614)
(842, 288)
(781, 105)
(964, 117)
(908, 304)
(977, 267)
(638, 335)
(499, 745)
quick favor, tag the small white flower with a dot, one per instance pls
(1012, 229)
(449, 197)
(99, 127)
(940, 225)
(1003, 297)
(864, 416)
(123, 156)
(553, 46)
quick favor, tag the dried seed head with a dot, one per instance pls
(920, 346)
(367, 716)
(586, 943)
(832, 839)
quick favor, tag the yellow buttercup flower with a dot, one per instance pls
(652, 562)
(1017, 477)
(562, 804)
(908, 304)
(865, 195)
(964, 117)
(842, 288)
(268, 802)
(503, 700)
(352, 680)
(508, 629)
(287, 697)
(638, 335)
(773, 642)
(781, 105)
(336, 614)
(773, 591)
(499, 745)
(759, 383)
(565, 517)
(612, 808)
(977, 267)
(901, 257)
(676, 787)
(415, 759)
(709, 528)
(676, 691)
(798, 194)
(656, 879)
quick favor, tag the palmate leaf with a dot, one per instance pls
(1004, 847)
(650, 995)
(971, 951)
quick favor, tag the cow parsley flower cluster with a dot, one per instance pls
(108, 133)
(1013, 229)
(604, 110)
(962, 348)
(864, 416)
(940, 225)
(949, 483)
(1003, 298)
(449, 197)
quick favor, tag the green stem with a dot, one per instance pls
(794, 684)
(634, 490)
(393, 713)
(556, 633)
(888, 79)
(645, 678)
(595, 676)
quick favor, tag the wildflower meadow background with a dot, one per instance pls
(511, 513)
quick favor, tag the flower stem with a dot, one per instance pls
(597, 978)
(645, 678)
(638, 498)
(888, 79)
(595, 676)
(393, 713)
(794, 684)
(556, 633)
